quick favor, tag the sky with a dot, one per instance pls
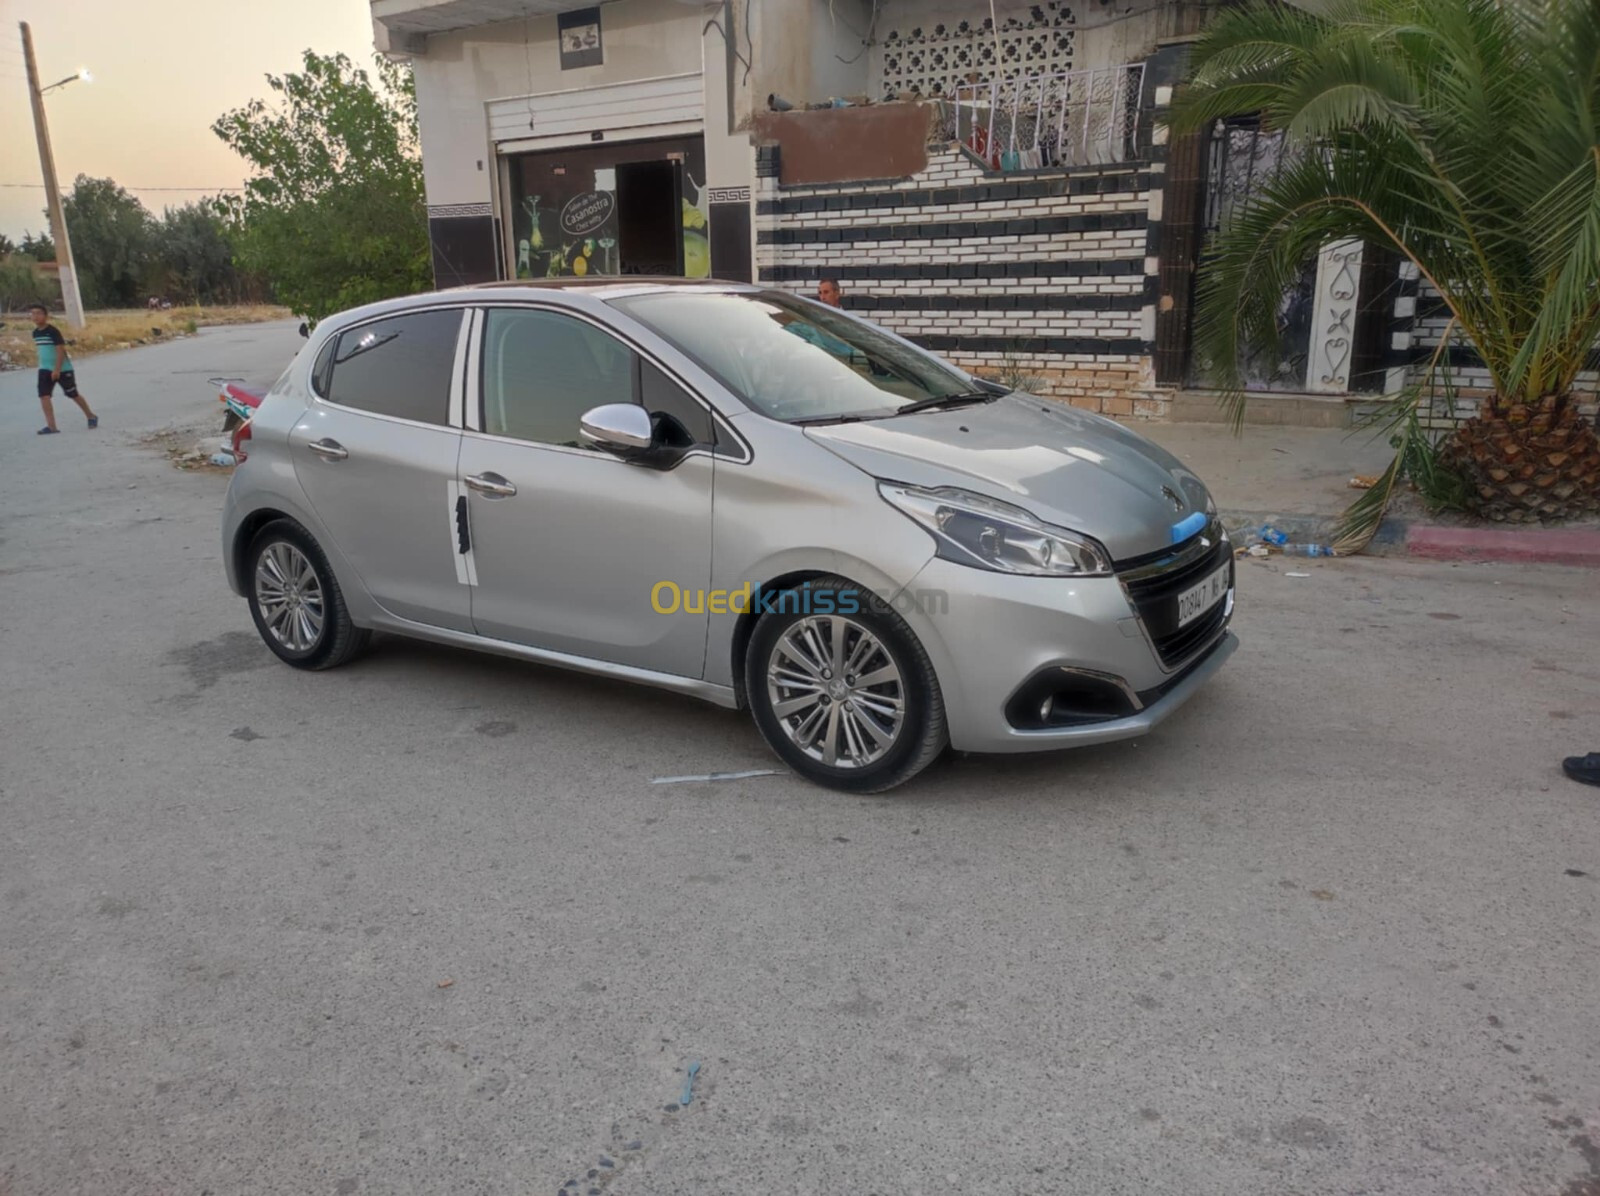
(163, 71)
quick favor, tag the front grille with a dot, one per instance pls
(1154, 591)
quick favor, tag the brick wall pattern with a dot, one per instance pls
(1461, 383)
(1044, 273)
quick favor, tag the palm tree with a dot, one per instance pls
(1464, 135)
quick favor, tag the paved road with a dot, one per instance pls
(1318, 935)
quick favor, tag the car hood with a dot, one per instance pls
(1068, 467)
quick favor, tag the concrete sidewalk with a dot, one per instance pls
(1275, 470)
(1298, 480)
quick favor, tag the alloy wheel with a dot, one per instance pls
(836, 691)
(289, 594)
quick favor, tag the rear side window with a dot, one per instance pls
(399, 367)
(322, 371)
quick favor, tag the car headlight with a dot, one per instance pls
(985, 533)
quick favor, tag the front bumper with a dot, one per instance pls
(989, 633)
(1130, 727)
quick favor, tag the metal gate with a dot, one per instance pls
(1241, 158)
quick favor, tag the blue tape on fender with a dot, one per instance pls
(1182, 530)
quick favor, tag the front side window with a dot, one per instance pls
(542, 370)
(398, 366)
(793, 359)
(679, 421)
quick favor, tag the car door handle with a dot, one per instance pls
(491, 484)
(329, 450)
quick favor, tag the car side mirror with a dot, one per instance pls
(305, 329)
(622, 429)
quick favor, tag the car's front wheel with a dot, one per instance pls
(295, 599)
(842, 690)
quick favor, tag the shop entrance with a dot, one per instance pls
(630, 208)
(650, 217)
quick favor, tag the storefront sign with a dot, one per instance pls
(580, 38)
(585, 214)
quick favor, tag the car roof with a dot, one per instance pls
(606, 285)
(612, 287)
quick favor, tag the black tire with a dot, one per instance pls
(922, 733)
(339, 640)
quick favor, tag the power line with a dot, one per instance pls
(128, 187)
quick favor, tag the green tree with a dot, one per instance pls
(194, 253)
(334, 216)
(7, 246)
(21, 285)
(1465, 136)
(40, 248)
(112, 239)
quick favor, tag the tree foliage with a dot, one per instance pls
(40, 248)
(334, 215)
(193, 257)
(1465, 136)
(1461, 133)
(112, 239)
(21, 285)
(124, 255)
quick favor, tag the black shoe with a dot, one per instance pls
(1583, 768)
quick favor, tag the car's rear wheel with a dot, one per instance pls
(842, 690)
(296, 601)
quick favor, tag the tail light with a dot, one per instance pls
(240, 435)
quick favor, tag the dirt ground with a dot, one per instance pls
(109, 330)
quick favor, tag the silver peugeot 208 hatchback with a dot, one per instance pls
(733, 493)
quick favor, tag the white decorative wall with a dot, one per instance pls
(927, 50)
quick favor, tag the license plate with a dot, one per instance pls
(1196, 600)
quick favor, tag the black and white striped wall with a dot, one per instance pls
(1043, 273)
(1461, 384)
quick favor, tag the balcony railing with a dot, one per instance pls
(1072, 118)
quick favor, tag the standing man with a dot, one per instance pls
(828, 292)
(55, 365)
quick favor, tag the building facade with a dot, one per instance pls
(1001, 190)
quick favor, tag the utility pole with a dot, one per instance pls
(52, 190)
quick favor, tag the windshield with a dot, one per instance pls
(794, 359)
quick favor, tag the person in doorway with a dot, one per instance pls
(55, 366)
(828, 292)
(1583, 768)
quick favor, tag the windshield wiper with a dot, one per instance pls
(944, 402)
(818, 420)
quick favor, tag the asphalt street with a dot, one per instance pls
(425, 924)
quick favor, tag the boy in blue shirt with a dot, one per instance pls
(55, 365)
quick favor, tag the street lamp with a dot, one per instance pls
(83, 74)
(71, 297)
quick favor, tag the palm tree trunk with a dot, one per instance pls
(1528, 461)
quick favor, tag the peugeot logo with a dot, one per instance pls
(1173, 497)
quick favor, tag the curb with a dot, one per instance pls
(1426, 541)
(1556, 546)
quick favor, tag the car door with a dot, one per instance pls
(376, 455)
(569, 543)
